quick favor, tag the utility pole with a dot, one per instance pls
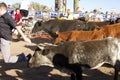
(64, 6)
(56, 5)
(60, 6)
(76, 4)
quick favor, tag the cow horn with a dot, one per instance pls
(49, 44)
(42, 44)
(45, 45)
(41, 47)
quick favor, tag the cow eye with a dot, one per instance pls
(45, 52)
(37, 49)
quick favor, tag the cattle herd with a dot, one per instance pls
(77, 44)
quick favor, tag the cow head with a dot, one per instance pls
(45, 26)
(37, 26)
(115, 48)
(41, 56)
(118, 43)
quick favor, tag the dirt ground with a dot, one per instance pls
(20, 71)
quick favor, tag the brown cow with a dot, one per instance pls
(105, 31)
(111, 30)
(78, 35)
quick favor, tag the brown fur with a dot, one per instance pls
(103, 32)
(111, 30)
(78, 35)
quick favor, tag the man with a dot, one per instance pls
(7, 23)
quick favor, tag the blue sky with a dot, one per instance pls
(89, 5)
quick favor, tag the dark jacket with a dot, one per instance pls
(7, 23)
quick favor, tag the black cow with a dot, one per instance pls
(55, 26)
(117, 20)
(75, 54)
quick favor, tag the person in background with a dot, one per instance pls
(7, 23)
(78, 10)
(100, 17)
(31, 13)
(77, 13)
(10, 10)
(69, 15)
(86, 16)
(18, 17)
(18, 20)
(45, 13)
(107, 13)
(90, 18)
(24, 6)
(95, 15)
(113, 17)
(61, 17)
